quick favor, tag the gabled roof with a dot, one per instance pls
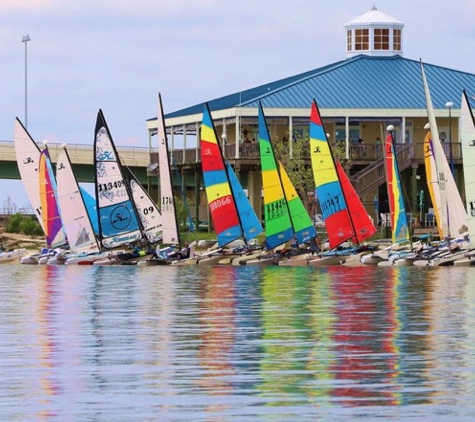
(362, 82)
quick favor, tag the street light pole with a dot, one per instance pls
(25, 39)
(449, 105)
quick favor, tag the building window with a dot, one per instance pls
(361, 39)
(381, 39)
(397, 40)
(348, 40)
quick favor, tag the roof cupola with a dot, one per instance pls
(374, 34)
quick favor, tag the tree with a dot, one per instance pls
(9, 206)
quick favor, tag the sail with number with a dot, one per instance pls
(51, 215)
(467, 133)
(28, 159)
(147, 210)
(76, 219)
(301, 222)
(327, 184)
(398, 215)
(218, 191)
(453, 216)
(170, 231)
(278, 224)
(118, 219)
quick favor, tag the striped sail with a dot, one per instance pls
(362, 223)
(28, 158)
(218, 190)
(147, 210)
(301, 221)
(398, 216)
(118, 220)
(170, 232)
(432, 182)
(278, 225)
(74, 214)
(53, 226)
(250, 223)
(327, 185)
(467, 132)
(453, 215)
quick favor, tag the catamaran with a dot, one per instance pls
(232, 215)
(119, 222)
(343, 225)
(285, 216)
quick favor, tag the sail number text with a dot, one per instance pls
(102, 187)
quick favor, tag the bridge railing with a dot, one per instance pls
(82, 154)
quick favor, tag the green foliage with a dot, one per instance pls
(295, 157)
(19, 223)
(14, 223)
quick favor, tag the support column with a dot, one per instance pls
(184, 145)
(238, 136)
(254, 188)
(347, 137)
(291, 138)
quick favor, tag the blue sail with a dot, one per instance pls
(251, 225)
(90, 203)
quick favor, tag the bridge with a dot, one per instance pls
(137, 158)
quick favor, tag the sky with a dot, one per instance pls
(118, 55)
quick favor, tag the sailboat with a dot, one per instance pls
(285, 216)
(449, 210)
(170, 234)
(336, 195)
(30, 166)
(452, 217)
(467, 133)
(80, 228)
(51, 214)
(232, 214)
(118, 219)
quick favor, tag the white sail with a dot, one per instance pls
(467, 132)
(147, 210)
(76, 222)
(28, 159)
(452, 211)
(167, 202)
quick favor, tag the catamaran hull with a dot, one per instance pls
(9, 256)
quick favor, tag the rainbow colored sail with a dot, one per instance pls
(327, 184)
(398, 216)
(218, 190)
(52, 223)
(278, 225)
(362, 223)
(301, 221)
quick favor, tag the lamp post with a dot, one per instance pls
(25, 39)
(449, 105)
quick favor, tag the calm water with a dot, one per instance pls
(236, 344)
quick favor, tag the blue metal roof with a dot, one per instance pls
(357, 83)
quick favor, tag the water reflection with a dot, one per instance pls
(236, 343)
